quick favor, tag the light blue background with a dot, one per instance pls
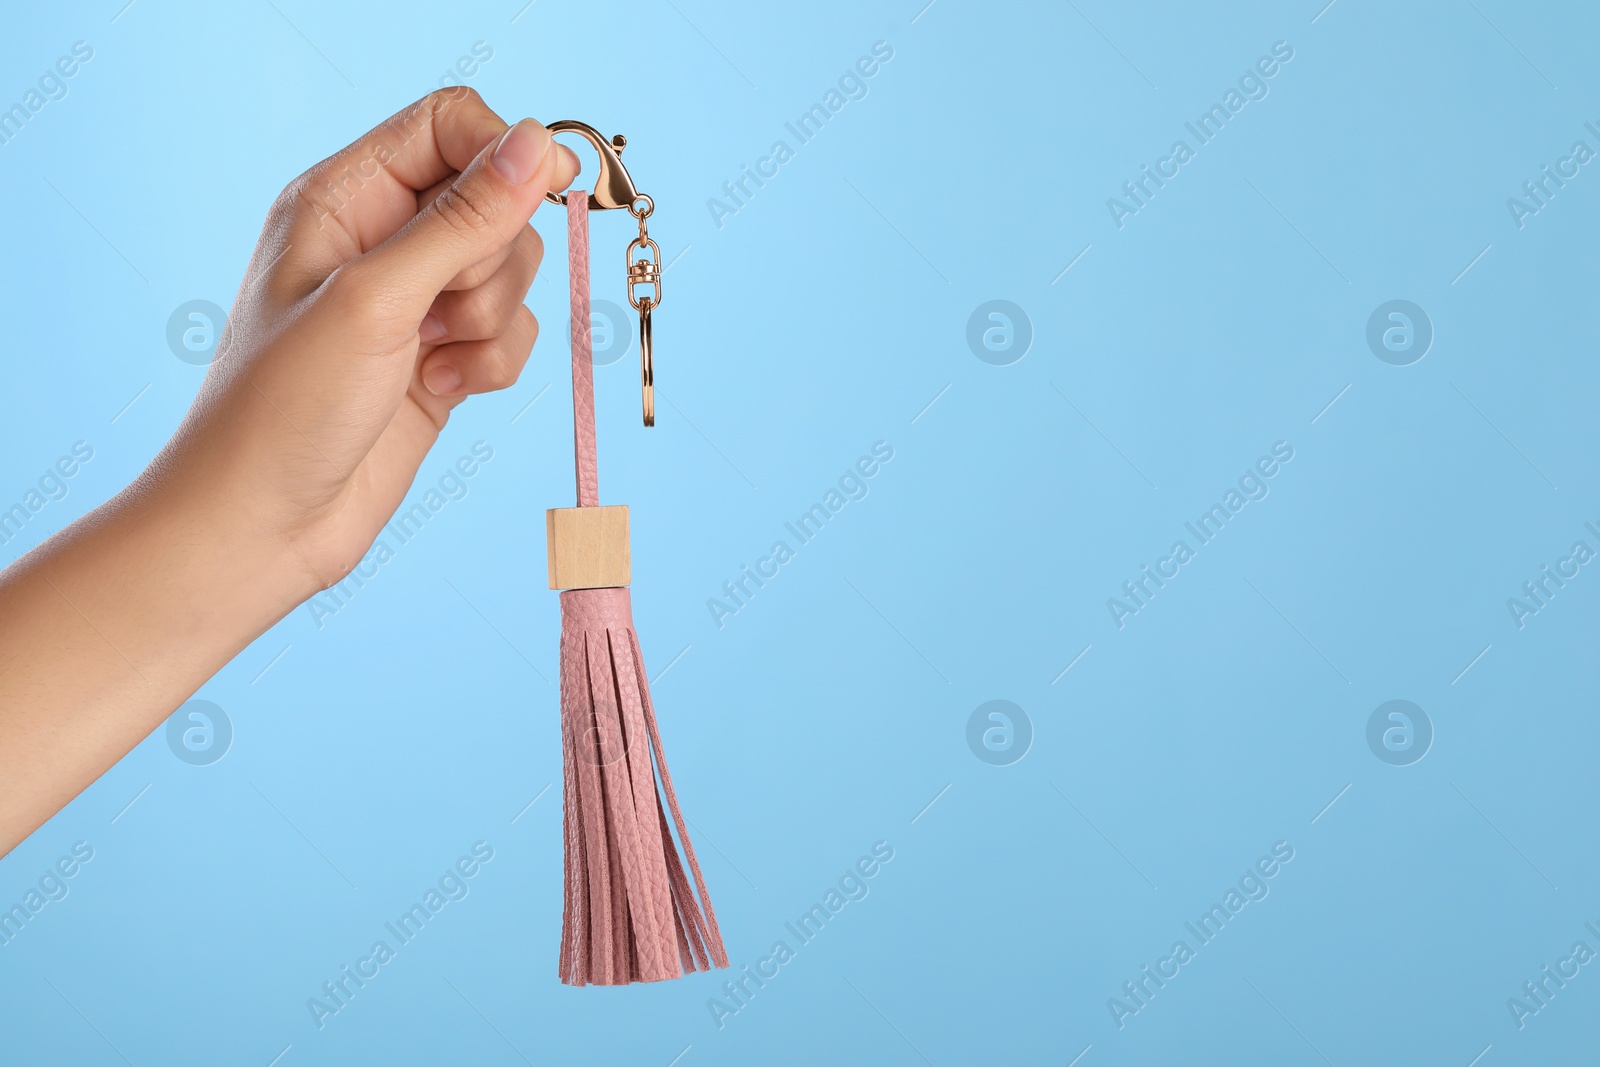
(825, 716)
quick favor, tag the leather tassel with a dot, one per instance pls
(630, 913)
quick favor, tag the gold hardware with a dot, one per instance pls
(647, 371)
(646, 270)
(614, 188)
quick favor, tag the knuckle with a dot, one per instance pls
(442, 100)
(500, 371)
(435, 105)
(299, 199)
(533, 245)
(527, 253)
(311, 200)
(289, 203)
(525, 328)
(476, 315)
(352, 286)
(472, 277)
(500, 376)
(509, 354)
(467, 211)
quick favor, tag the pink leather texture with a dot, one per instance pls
(629, 913)
(588, 460)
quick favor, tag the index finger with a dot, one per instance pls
(362, 194)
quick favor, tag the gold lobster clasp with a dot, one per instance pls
(613, 186)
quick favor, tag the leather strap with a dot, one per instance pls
(587, 457)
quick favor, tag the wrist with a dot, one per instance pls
(113, 622)
(214, 541)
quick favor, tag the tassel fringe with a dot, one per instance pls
(630, 914)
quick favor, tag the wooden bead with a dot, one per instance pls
(588, 547)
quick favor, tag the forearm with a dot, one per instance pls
(111, 624)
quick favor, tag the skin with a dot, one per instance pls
(387, 287)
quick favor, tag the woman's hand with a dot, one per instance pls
(387, 287)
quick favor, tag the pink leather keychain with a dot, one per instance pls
(629, 914)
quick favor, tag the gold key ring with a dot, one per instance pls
(646, 270)
(647, 371)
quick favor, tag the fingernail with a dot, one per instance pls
(442, 380)
(520, 151)
(432, 328)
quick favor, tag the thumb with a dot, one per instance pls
(480, 214)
